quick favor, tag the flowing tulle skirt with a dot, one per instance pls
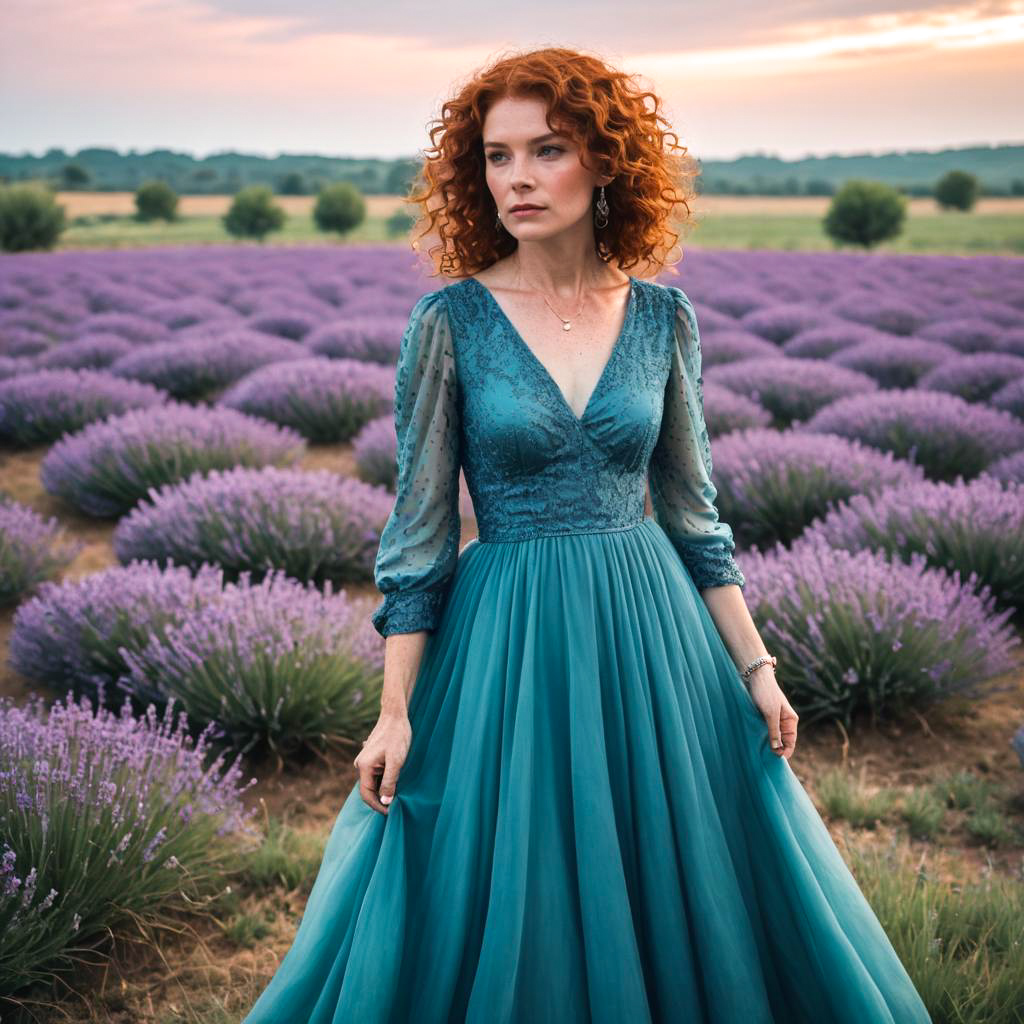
(589, 826)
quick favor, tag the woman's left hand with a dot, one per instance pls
(776, 710)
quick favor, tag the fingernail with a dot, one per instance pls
(385, 799)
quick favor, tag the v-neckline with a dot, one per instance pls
(619, 341)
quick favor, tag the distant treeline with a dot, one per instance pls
(999, 170)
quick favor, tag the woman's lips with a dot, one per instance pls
(527, 211)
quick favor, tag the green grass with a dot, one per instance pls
(933, 233)
(962, 945)
(846, 798)
(117, 232)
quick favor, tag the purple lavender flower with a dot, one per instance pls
(38, 408)
(975, 377)
(822, 342)
(732, 346)
(1009, 469)
(974, 530)
(111, 786)
(326, 400)
(725, 411)
(778, 323)
(370, 339)
(964, 334)
(944, 434)
(32, 549)
(772, 484)
(1010, 397)
(374, 449)
(894, 365)
(73, 635)
(857, 633)
(196, 367)
(107, 468)
(130, 326)
(315, 525)
(88, 352)
(790, 389)
(278, 665)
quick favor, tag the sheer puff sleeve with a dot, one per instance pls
(419, 544)
(682, 494)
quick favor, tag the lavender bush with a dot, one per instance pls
(855, 632)
(1010, 398)
(38, 408)
(1011, 341)
(779, 323)
(103, 819)
(822, 342)
(1009, 469)
(89, 352)
(73, 635)
(369, 339)
(883, 312)
(279, 666)
(107, 468)
(326, 400)
(772, 484)
(964, 334)
(974, 529)
(725, 411)
(32, 549)
(944, 434)
(975, 377)
(733, 346)
(790, 389)
(374, 449)
(315, 525)
(198, 366)
(898, 365)
(131, 326)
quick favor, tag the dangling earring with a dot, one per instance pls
(601, 220)
(497, 222)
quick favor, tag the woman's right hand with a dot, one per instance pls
(381, 759)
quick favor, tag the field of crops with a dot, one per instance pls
(197, 458)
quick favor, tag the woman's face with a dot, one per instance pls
(528, 163)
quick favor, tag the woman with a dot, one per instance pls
(576, 804)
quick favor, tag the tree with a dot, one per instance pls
(156, 200)
(399, 223)
(253, 213)
(957, 190)
(292, 184)
(30, 218)
(865, 213)
(74, 176)
(339, 207)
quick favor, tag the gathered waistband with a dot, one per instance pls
(558, 533)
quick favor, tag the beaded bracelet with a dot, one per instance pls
(764, 659)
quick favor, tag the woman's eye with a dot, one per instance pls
(557, 149)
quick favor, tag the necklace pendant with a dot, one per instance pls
(566, 327)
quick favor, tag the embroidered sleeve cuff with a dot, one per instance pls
(710, 566)
(408, 612)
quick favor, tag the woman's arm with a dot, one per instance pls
(683, 499)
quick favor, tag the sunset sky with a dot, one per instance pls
(805, 77)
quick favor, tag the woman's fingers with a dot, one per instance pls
(788, 719)
(774, 731)
(368, 775)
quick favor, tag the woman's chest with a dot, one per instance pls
(515, 416)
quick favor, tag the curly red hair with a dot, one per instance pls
(604, 112)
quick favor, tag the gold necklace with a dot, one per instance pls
(566, 324)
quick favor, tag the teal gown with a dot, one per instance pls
(590, 825)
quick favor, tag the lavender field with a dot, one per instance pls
(198, 459)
